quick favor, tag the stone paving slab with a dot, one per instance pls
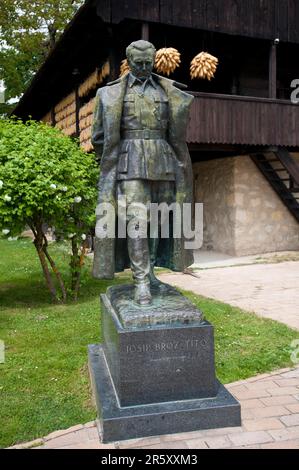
(269, 290)
(269, 422)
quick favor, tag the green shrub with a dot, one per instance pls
(47, 180)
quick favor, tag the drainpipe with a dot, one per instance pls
(273, 69)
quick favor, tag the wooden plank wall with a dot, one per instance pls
(238, 120)
(255, 18)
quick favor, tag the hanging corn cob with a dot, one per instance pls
(70, 109)
(87, 109)
(95, 79)
(70, 130)
(85, 139)
(167, 60)
(87, 146)
(65, 102)
(85, 122)
(203, 66)
(86, 116)
(124, 68)
(65, 115)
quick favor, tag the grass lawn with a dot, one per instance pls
(44, 383)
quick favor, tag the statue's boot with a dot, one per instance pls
(143, 294)
(140, 265)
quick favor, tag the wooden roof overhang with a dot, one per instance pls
(86, 39)
(82, 47)
(215, 119)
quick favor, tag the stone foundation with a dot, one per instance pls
(242, 213)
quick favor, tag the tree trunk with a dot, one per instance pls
(41, 245)
(75, 264)
(81, 263)
(55, 269)
(38, 243)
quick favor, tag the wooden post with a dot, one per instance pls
(273, 72)
(53, 120)
(77, 100)
(114, 60)
(145, 32)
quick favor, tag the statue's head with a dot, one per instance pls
(141, 58)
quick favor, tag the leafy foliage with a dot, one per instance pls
(45, 375)
(28, 32)
(45, 178)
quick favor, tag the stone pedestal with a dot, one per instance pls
(155, 374)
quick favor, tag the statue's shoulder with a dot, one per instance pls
(169, 82)
(115, 82)
(104, 92)
(174, 88)
(108, 85)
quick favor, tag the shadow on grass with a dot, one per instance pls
(22, 292)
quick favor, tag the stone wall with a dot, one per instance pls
(242, 213)
(263, 223)
(214, 186)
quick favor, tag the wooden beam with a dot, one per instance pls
(77, 101)
(53, 120)
(113, 58)
(273, 72)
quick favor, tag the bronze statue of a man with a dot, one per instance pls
(139, 136)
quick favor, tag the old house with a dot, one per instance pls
(244, 129)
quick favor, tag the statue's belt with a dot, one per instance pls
(147, 134)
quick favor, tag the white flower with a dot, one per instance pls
(1, 184)
(78, 199)
(53, 186)
(7, 198)
(83, 236)
(12, 239)
(71, 235)
(64, 189)
(5, 231)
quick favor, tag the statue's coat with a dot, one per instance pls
(111, 254)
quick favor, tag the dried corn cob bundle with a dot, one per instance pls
(124, 68)
(85, 122)
(85, 134)
(65, 115)
(66, 122)
(86, 118)
(70, 130)
(70, 109)
(167, 60)
(87, 109)
(65, 102)
(95, 79)
(85, 139)
(105, 69)
(87, 146)
(203, 66)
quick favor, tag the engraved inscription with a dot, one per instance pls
(188, 345)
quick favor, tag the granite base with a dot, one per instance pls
(121, 423)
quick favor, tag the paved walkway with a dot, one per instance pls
(212, 259)
(269, 290)
(270, 402)
(270, 420)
